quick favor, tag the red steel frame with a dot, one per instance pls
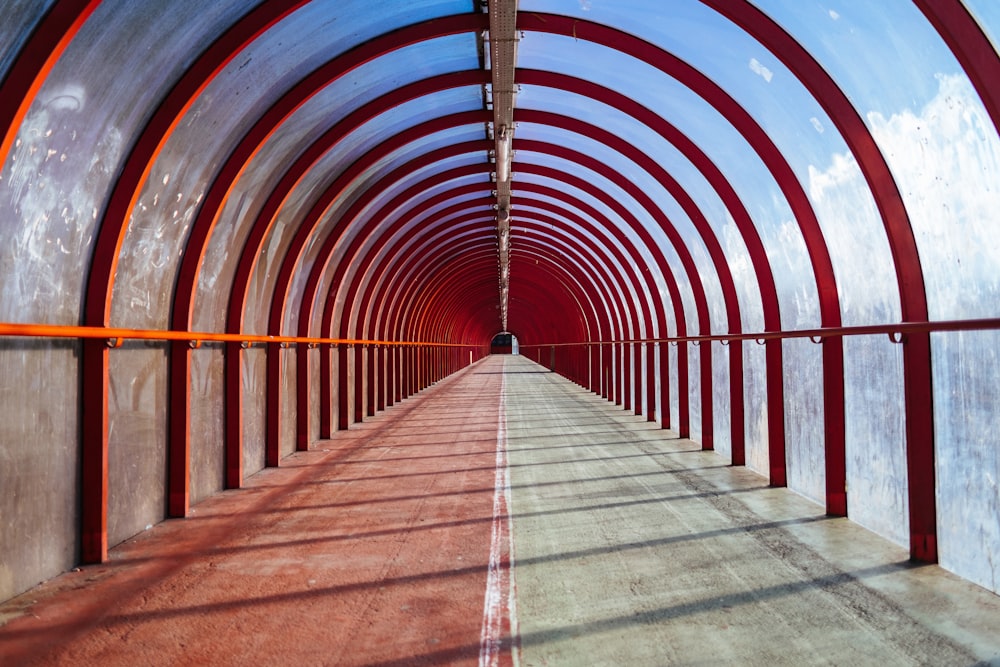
(758, 257)
(57, 28)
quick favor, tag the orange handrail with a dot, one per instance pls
(116, 335)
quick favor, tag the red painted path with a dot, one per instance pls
(371, 549)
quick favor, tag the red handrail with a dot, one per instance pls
(896, 333)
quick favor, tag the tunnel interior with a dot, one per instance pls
(229, 232)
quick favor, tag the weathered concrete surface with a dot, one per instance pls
(635, 548)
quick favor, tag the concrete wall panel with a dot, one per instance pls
(722, 414)
(966, 423)
(804, 448)
(315, 405)
(39, 462)
(288, 417)
(694, 390)
(876, 436)
(254, 385)
(207, 421)
(137, 428)
(755, 390)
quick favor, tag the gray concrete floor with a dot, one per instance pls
(633, 547)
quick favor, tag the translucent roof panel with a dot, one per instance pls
(931, 127)
(20, 18)
(736, 62)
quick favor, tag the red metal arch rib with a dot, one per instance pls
(361, 236)
(425, 257)
(476, 235)
(351, 290)
(572, 280)
(364, 307)
(386, 290)
(19, 87)
(618, 234)
(282, 109)
(97, 305)
(462, 243)
(704, 318)
(765, 148)
(544, 230)
(304, 233)
(475, 228)
(971, 47)
(653, 168)
(234, 440)
(917, 374)
(755, 248)
(414, 329)
(411, 288)
(242, 155)
(354, 287)
(545, 322)
(309, 303)
(599, 315)
(180, 362)
(666, 271)
(556, 218)
(304, 312)
(573, 180)
(302, 399)
(268, 214)
(265, 219)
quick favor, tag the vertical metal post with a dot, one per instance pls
(637, 377)
(626, 368)
(380, 371)
(920, 464)
(833, 419)
(234, 415)
(272, 442)
(665, 385)
(374, 383)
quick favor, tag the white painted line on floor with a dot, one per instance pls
(501, 567)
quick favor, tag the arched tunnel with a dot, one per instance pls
(234, 232)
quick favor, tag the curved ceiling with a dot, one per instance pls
(317, 169)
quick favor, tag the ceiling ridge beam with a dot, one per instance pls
(503, 38)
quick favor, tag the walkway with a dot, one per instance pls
(378, 547)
